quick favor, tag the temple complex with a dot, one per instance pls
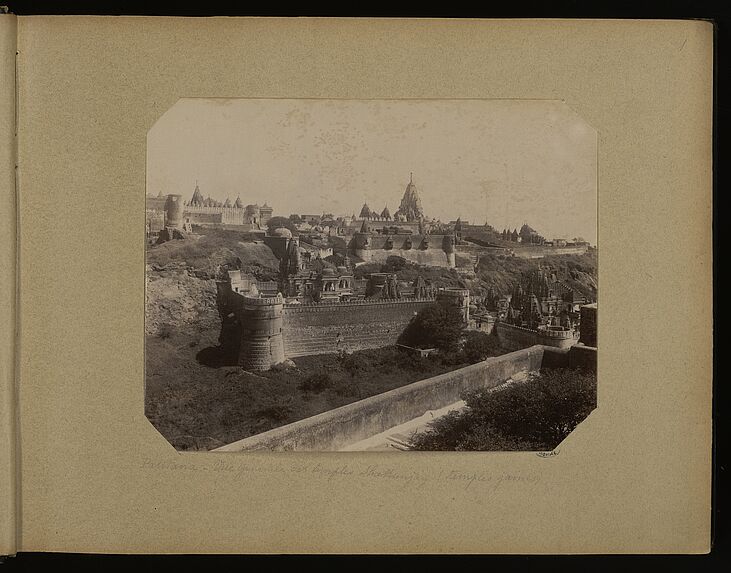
(205, 212)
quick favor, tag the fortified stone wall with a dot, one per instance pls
(204, 218)
(434, 255)
(261, 332)
(514, 337)
(324, 328)
(581, 356)
(399, 241)
(429, 257)
(536, 252)
(588, 324)
(335, 429)
(578, 356)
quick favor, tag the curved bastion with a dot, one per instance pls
(262, 343)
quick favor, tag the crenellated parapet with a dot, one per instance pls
(434, 250)
(263, 301)
(329, 306)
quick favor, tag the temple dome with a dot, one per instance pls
(328, 272)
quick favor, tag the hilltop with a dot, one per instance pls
(206, 254)
(503, 273)
(181, 277)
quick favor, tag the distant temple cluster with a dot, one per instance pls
(171, 212)
(540, 301)
(305, 276)
(541, 309)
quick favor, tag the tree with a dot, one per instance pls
(478, 345)
(277, 222)
(435, 326)
(394, 264)
(316, 382)
(295, 218)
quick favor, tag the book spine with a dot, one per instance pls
(8, 265)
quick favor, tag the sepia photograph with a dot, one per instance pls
(370, 275)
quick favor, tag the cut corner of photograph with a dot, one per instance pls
(370, 275)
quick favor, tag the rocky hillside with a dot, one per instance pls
(181, 285)
(577, 271)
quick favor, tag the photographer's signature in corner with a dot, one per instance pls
(550, 454)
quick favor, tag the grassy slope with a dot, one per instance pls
(200, 407)
(577, 271)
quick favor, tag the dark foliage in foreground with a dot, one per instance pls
(203, 404)
(435, 326)
(534, 415)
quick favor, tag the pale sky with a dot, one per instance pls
(504, 162)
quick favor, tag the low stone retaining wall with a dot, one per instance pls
(581, 356)
(334, 429)
(513, 337)
(578, 356)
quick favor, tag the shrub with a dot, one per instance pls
(276, 222)
(545, 409)
(277, 410)
(347, 388)
(362, 271)
(394, 264)
(316, 382)
(353, 363)
(452, 358)
(478, 345)
(534, 415)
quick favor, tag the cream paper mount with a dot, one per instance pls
(84, 471)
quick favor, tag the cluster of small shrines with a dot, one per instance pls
(539, 301)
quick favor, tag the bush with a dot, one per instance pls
(534, 415)
(435, 326)
(347, 388)
(364, 270)
(452, 358)
(478, 345)
(277, 410)
(394, 264)
(353, 363)
(316, 382)
(277, 222)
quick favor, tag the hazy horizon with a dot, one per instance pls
(504, 162)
